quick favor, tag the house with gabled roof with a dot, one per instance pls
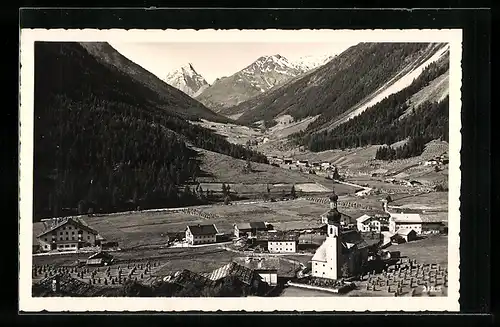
(201, 234)
(405, 220)
(267, 268)
(67, 233)
(249, 229)
(101, 258)
(404, 234)
(279, 241)
(232, 269)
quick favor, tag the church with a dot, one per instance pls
(343, 253)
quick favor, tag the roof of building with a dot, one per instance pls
(97, 261)
(363, 218)
(349, 240)
(101, 254)
(353, 237)
(277, 236)
(321, 251)
(406, 217)
(55, 223)
(259, 225)
(185, 277)
(203, 229)
(404, 231)
(243, 273)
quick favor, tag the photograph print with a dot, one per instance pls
(195, 165)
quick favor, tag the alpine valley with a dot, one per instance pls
(123, 138)
(159, 184)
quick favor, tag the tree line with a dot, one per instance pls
(414, 147)
(381, 123)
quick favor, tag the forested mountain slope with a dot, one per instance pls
(167, 96)
(419, 112)
(342, 83)
(106, 141)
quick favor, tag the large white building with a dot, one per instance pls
(405, 220)
(66, 234)
(366, 223)
(278, 241)
(201, 234)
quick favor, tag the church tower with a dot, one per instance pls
(328, 259)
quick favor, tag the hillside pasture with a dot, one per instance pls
(220, 168)
(433, 249)
(284, 215)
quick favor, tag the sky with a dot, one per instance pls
(213, 60)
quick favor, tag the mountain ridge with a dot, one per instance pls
(106, 141)
(335, 87)
(261, 75)
(176, 99)
(187, 79)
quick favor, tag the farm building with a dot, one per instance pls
(201, 234)
(342, 253)
(266, 268)
(242, 273)
(303, 163)
(407, 234)
(279, 241)
(288, 161)
(409, 220)
(249, 229)
(68, 233)
(186, 277)
(326, 165)
(100, 258)
(397, 239)
(372, 222)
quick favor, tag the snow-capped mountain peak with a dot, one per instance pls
(275, 62)
(186, 79)
(265, 73)
(309, 62)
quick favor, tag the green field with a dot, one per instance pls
(433, 249)
(150, 228)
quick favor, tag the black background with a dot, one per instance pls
(476, 121)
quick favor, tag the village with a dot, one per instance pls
(356, 244)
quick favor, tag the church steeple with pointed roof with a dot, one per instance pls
(333, 200)
(333, 215)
